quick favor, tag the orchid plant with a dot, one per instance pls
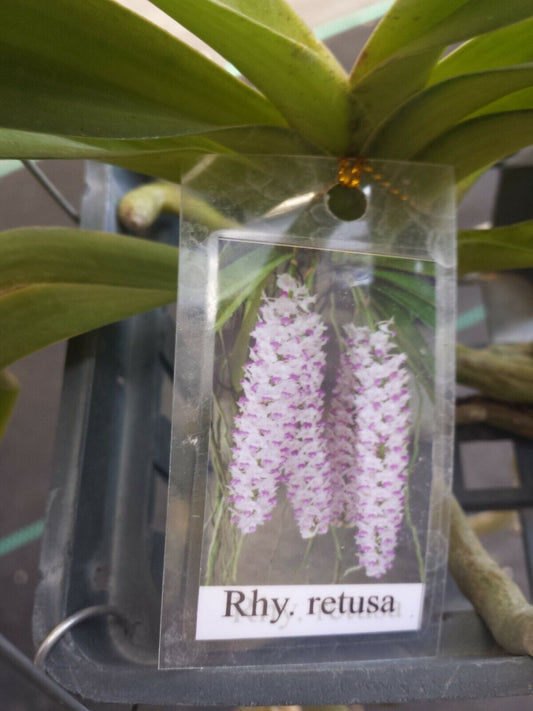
(96, 80)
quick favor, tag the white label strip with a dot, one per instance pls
(249, 611)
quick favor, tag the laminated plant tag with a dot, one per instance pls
(312, 419)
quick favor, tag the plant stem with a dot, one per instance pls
(307, 553)
(517, 419)
(502, 372)
(408, 518)
(140, 208)
(359, 298)
(338, 556)
(236, 558)
(334, 319)
(353, 569)
(489, 521)
(214, 545)
(280, 538)
(497, 599)
(217, 515)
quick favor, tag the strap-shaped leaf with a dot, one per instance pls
(419, 288)
(517, 101)
(411, 27)
(479, 142)
(501, 48)
(240, 279)
(420, 309)
(159, 157)
(296, 73)
(509, 247)
(400, 55)
(164, 158)
(95, 68)
(380, 93)
(409, 338)
(277, 15)
(413, 293)
(57, 283)
(463, 186)
(9, 391)
(434, 111)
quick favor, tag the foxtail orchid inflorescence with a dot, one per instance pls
(368, 438)
(346, 469)
(278, 435)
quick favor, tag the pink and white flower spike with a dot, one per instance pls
(278, 435)
(368, 440)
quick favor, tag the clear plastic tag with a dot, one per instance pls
(313, 412)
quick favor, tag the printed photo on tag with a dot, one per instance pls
(317, 444)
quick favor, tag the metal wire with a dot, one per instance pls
(24, 666)
(52, 190)
(55, 635)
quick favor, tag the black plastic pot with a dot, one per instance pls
(105, 529)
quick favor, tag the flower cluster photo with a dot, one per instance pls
(344, 468)
(316, 426)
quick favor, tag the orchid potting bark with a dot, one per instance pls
(312, 421)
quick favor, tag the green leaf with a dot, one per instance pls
(479, 142)
(404, 265)
(95, 68)
(509, 247)
(240, 278)
(170, 158)
(164, 158)
(421, 360)
(276, 15)
(434, 111)
(517, 101)
(279, 56)
(411, 27)
(413, 293)
(26, 144)
(244, 139)
(9, 392)
(400, 55)
(420, 309)
(239, 352)
(377, 95)
(420, 288)
(465, 185)
(56, 283)
(501, 48)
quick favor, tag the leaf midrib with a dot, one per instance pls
(32, 286)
